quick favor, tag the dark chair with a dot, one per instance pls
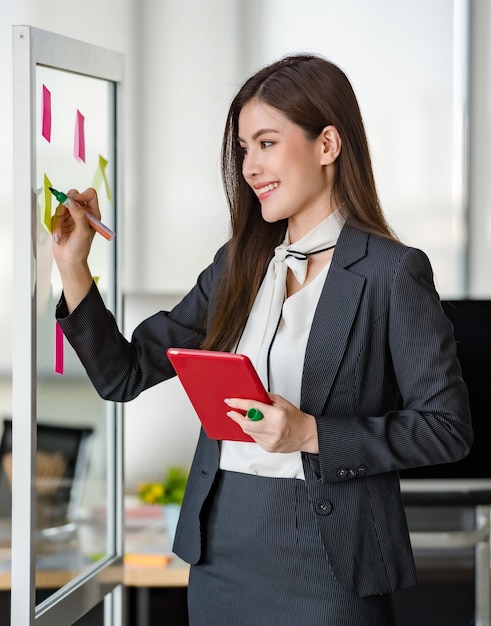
(61, 465)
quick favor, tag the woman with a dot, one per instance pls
(345, 328)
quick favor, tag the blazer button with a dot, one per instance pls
(351, 473)
(323, 506)
(361, 471)
(342, 471)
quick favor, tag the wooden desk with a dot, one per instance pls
(138, 581)
(175, 574)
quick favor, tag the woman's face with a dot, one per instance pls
(290, 174)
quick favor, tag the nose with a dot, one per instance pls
(251, 165)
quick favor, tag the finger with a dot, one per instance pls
(58, 220)
(72, 194)
(75, 203)
(78, 205)
(61, 211)
(87, 199)
(55, 226)
(244, 405)
(242, 420)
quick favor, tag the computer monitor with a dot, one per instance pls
(472, 326)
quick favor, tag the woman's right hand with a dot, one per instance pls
(72, 239)
(70, 228)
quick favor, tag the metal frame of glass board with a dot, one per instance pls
(34, 47)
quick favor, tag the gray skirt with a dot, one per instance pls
(264, 563)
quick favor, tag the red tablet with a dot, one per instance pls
(208, 377)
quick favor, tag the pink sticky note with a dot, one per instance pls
(59, 350)
(46, 132)
(79, 145)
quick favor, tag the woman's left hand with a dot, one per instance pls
(283, 428)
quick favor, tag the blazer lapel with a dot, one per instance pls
(333, 320)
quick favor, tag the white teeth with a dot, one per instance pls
(267, 188)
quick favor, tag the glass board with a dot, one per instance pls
(66, 464)
(74, 149)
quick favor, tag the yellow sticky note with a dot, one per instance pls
(46, 210)
(100, 175)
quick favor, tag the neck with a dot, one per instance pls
(297, 229)
(300, 225)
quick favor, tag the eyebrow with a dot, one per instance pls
(260, 132)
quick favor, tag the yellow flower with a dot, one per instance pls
(157, 491)
(151, 493)
(171, 489)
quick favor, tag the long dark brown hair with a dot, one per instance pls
(312, 93)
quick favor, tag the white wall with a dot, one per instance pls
(189, 71)
(161, 426)
(480, 179)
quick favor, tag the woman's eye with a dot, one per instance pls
(243, 150)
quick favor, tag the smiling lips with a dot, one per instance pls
(261, 191)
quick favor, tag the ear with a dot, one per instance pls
(331, 145)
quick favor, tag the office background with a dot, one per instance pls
(428, 122)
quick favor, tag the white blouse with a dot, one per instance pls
(285, 373)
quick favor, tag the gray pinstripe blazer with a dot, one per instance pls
(380, 375)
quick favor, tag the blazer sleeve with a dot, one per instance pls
(424, 413)
(121, 369)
